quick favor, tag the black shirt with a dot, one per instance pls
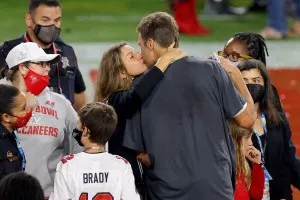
(126, 103)
(278, 159)
(263, 140)
(10, 158)
(65, 77)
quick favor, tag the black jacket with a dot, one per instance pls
(296, 159)
(10, 158)
(126, 103)
(65, 75)
(278, 160)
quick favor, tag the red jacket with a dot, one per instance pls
(257, 185)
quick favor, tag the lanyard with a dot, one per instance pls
(21, 152)
(263, 148)
(28, 40)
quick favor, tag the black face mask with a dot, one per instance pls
(77, 135)
(257, 92)
(46, 34)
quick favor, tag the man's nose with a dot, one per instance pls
(139, 55)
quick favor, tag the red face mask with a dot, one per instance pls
(22, 121)
(36, 83)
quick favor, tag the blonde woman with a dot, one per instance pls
(124, 84)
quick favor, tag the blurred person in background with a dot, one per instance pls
(20, 186)
(117, 85)
(249, 182)
(43, 26)
(185, 14)
(15, 113)
(271, 135)
(48, 135)
(277, 26)
(246, 45)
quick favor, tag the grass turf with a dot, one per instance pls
(115, 20)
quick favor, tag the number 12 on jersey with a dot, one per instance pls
(98, 196)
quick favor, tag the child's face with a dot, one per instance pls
(246, 142)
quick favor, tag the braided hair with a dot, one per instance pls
(256, 45)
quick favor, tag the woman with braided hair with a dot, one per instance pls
(245, 46)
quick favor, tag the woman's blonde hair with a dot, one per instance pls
(242, 166)
(109, 79)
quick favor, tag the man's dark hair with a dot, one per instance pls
(256, 45)
(161, 27)
(8, 94)
(34, 4)
(20, 185)
(100, 119)
(268, 103)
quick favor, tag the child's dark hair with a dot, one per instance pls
(8, 94)
(256, 45)
(20, 185)
(100, 119)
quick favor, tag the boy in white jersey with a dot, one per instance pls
(94, 173)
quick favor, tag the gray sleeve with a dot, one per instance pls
(232, 101)
(71, 146)
(133, 138)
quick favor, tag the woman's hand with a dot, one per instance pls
(172, 55)
(227, 65)
(30, 100)
(253, 155)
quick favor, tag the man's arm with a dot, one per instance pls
(245, 118)
(80, 99)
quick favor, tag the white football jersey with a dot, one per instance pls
(94, 176)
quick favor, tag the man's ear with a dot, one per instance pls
(150, 43)
(28, 20)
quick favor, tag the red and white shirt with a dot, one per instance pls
(94, 176)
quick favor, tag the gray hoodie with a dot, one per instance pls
(48, 137)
